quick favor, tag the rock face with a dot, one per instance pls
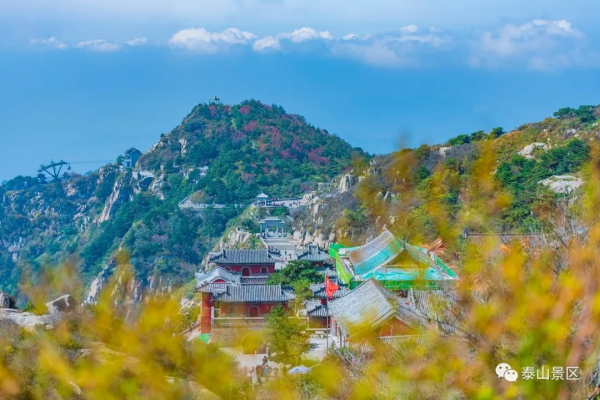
(7, 301)
(528, 150)
(121, 193)
(346, 182)
(562, 183)
(25, 319)
(64, 303)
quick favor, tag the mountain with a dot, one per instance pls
(517, 180)
(248, 148)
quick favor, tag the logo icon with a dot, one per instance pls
(504, 371)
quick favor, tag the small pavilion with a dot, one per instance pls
(262, 199)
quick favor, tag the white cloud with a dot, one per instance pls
(204, 41)
(304, 34)
(137, 41)
(404, 47)
(409, 29)
(538, 44)
(269, 43)
(51, 42)
(99, 45)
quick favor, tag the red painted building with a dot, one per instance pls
(253, 262)
(233, 304)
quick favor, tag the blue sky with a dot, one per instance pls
(85, 80)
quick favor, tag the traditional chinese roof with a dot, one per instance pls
(377, 253)
(314, 308)
(319, 291)
(248, 293)
(254, 280)
(329, 272)
(216, 274)
(369, 305)
(314, 254)
(438, 305)
(132, 151)
(262, 195)
(248, 256)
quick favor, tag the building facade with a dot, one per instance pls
(249, 262)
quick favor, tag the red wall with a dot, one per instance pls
(254, 269)
(244, 308)
(206, 304)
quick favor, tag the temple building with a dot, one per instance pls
(314, 255)
(248, 262)
(372, 312)
(391, 261)
(226, 305)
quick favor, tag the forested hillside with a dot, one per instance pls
(519, 180)
(248, 148)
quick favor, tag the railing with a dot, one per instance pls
(238, 321)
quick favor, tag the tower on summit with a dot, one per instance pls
(215, 101)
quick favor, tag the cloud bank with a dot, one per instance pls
(538, 44)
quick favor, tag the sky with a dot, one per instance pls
(84, 80)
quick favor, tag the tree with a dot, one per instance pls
(302, 291)
(477, 136)
(460, 139)
(295, 271)
(288, 336)
(565, 112)
(497, 132)
(281, 211)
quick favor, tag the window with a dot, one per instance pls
(254, 311)
(245, 271)
(264, 270)
(232, 310)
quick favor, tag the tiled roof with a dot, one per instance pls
(318, 257)
(378, 252)
(215, 274)
(326, 271)
(254, 280)
(249, 256)
(369, 305)
(314, 308)
(248, 293)
(319, 291)
(438, 305)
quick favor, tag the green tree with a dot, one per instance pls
(295, 271)
(281, 211)
(288, 335)
(477, 136)
(497, 132)
(460, 139)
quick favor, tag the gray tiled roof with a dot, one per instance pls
(314, 308)
(437, 305)
(330, 272)
(371, 304)
(320, 256)
(248, 256)
(254, 280)
(319, 291)
(248, 293)
(217, 273)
